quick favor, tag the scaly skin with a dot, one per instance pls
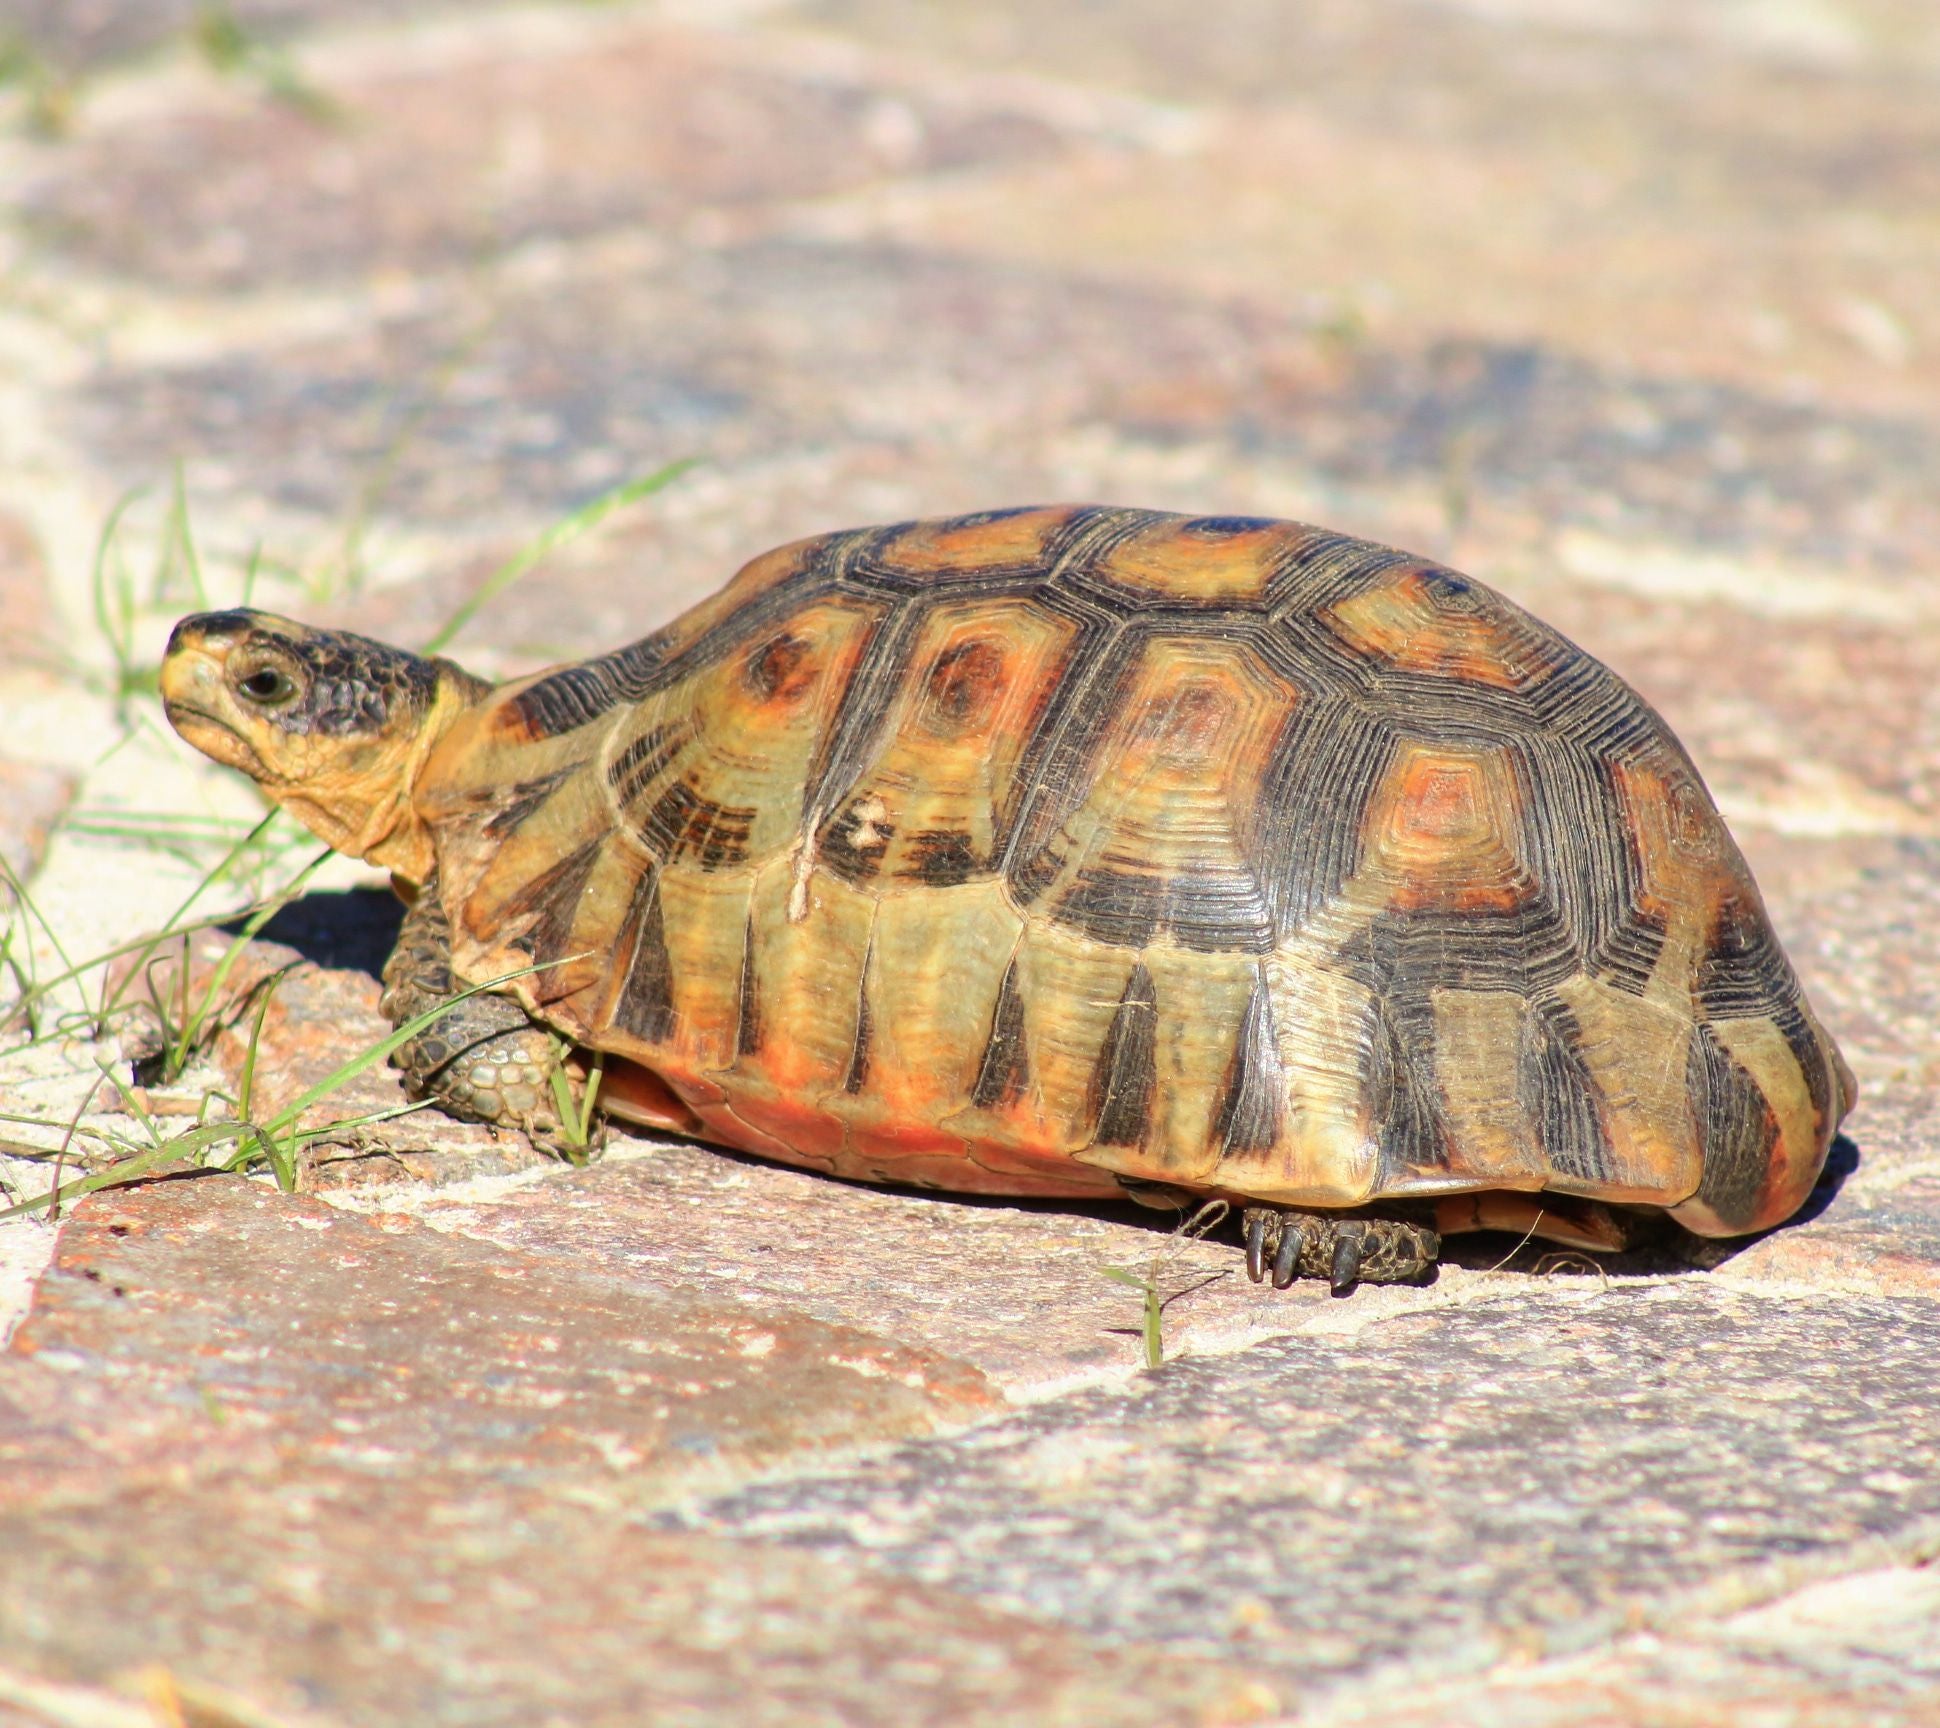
(486, 1060)
(1288, 1243)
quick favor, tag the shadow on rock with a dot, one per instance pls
(350, 930)
(1842, 1159)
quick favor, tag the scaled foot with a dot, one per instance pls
(1345, 1250)
(485, 1059)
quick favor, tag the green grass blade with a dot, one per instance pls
(11, 878)
(116, 640)
(132, 1168)
(246, 1089)
(195, 1022)
(181, 542)
(372, 1054)
(561, 533)
(340, 1124)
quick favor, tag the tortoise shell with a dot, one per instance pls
(1053, 851)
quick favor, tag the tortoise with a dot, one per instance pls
(1079, 851)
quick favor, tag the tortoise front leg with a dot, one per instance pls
(1345, 1249)
(487, 1060)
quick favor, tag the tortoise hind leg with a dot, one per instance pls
(486, 1060)
(1288, 1242)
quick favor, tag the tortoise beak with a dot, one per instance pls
(195, 694)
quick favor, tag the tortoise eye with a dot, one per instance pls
(267, 685)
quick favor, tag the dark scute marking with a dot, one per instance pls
(983, 518)
(781, 667)
(1628, 953)
(1121, 907)
(963, 679)
(1449, 590)
(645, 1008)
(1402, 956)
(939, 858)
(1322, 568)
(644, 760)
(550, 899)
(683, 824)
(1583, 841)
(1413, 1133)
(747, 1027)
(1219, 911)
(1330, 759)
(861, 1053)
(1810, 1054)
(577, 695)
(1250, 1111)
(1738, 1127)
(1744, 973)
(516, 803)
(840, 852)
(1223, 912)
(1220, 527)
(1053, 768)
(1006, 1071)
(1556, 1092)
(1031, 876)
(1126, 1078)
(851, 737)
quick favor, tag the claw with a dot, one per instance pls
(1286, 1263)
(1256, 1246)
(1347, 1261)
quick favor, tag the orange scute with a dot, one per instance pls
(1191, 562)
(959, 543)
(1399, 622)
(1442, 829)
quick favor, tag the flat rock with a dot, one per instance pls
(1421, 1498)
(318, 1597)
(1853, 1652)
(233, 1413)
(189, 1322)
(1020, 1290)
(527, 139)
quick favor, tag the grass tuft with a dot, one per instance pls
(1160, 1284)
(48, 94)
(231, 49)
(275, 1142)
(146, 992)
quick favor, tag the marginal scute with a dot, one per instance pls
(1042, 851)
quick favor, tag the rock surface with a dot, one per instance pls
(1625, 308)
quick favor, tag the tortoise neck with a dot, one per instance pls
(394, 836)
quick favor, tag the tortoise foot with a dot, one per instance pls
(486, 1061)
(1286, 1243)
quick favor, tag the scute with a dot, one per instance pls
(1033, 851)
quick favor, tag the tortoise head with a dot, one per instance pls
(334, 727)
